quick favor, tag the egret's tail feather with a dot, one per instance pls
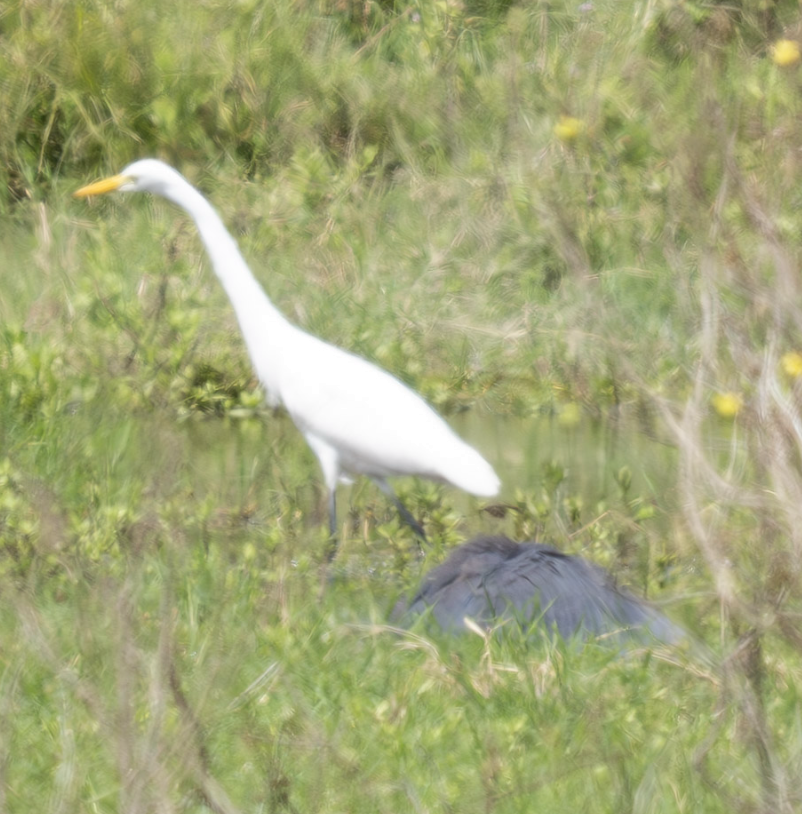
(472, 473)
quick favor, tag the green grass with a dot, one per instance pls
(308, 708)
(168, 640)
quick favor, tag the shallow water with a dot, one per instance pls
(590, 452)
(260, 464)
(264, 461)
(260, 472)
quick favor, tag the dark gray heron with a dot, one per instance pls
(493, 579)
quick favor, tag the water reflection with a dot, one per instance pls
(257, 460)
(591, 452)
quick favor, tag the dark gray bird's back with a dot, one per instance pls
(490, 579)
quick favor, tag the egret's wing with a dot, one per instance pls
(378, 425)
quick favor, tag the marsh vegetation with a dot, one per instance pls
(573, 228)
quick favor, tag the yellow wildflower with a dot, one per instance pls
(568, 128)
(792, 363)
(785, 53)
(727, 405)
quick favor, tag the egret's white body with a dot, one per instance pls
(357, 418)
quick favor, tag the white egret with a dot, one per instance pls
(357, 418)
(492, 579)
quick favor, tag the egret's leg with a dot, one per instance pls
(329, 463)
(405, 513)
(333, 536)
(333, 513)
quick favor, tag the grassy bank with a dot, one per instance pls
(529, 212)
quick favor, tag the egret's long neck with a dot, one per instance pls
(261, 323)
(243, 290)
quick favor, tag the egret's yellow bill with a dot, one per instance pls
(101, 187)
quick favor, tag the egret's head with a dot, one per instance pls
(147, 175)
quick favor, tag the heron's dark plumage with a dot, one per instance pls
(491, 579)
